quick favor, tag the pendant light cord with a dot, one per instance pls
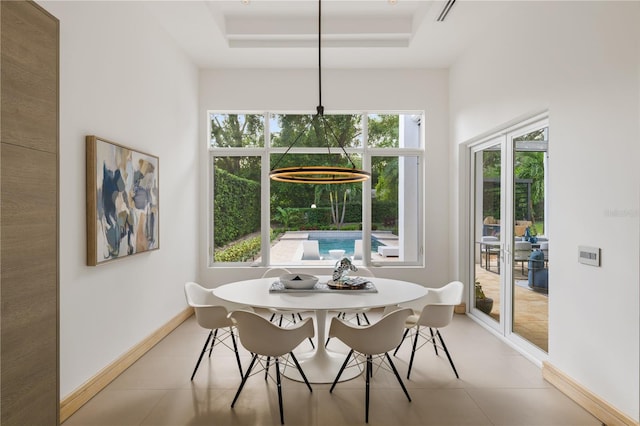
(319, 109)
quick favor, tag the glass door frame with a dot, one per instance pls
(503, 138)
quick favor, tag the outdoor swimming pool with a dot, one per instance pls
(340, 240)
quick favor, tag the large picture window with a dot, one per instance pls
(256, 221)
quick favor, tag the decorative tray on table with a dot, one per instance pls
(361, 285)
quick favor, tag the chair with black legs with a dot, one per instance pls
(432, 312)
(212, 314)
(283, 316)
(357, 315)
(265, 339)
(371, 341)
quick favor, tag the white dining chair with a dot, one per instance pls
(432, 312)
(357, 315)
(266, 340)
(212, 314)
(370, 341)
(283, 316)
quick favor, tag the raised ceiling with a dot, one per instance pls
(355, 34)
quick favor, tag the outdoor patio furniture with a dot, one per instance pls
(387, 251)
(538, 275)
(490, 245)
(357, 250)
(521, 253)
(310, 250)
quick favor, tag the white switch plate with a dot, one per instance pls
(589, 255)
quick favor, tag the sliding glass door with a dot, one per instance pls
(509, 241)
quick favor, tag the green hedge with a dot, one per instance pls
(236, 207)
(240, 252)
(243, 251)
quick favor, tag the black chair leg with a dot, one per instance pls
(406, 331)
(395, 371)
(244, 379)
(433, 340)
(279, 390)
(235, 349)
(366, 319)
(266, 368)
(366, 397)
(204, 349)
(413, 351)
(447, 352)
(295, 361)
(346, 361)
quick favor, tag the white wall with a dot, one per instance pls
(122, 79)
(343, 90)
(580, 61)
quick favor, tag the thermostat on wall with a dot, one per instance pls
(589, 255)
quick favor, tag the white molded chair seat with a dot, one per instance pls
(212, 314)
(371, 340)
(263, 338)
(433, 311)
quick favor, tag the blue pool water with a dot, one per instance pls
(335, 241)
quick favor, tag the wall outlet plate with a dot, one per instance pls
(589, 255)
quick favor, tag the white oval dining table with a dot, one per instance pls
(320, 365)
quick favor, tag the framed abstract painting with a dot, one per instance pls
(122, 201)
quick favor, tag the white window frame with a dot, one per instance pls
(366, 152)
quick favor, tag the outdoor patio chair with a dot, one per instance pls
(357, 250)
(521, 253)
(490, 249)
(310, 250)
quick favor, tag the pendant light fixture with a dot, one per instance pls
(319, 174)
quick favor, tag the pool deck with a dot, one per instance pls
(288, 249)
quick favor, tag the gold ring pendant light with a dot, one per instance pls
(319, 174)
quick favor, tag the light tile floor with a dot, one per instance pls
(497, 386)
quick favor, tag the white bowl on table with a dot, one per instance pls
(298, 281)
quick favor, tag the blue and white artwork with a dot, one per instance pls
(126, 201)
